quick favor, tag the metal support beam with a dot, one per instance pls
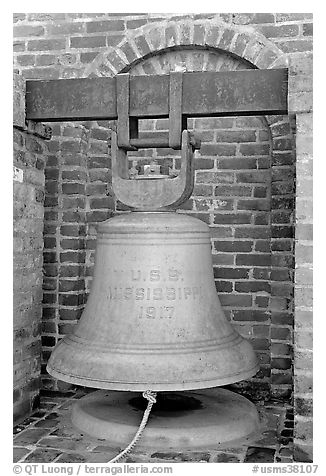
(231, 93)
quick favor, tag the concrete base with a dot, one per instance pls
(179, 420)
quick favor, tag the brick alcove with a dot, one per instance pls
(244, 190)
(78, 170)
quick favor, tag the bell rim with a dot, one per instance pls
(159, 387)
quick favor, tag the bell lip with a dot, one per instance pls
(159, 387)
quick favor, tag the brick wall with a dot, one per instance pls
(245, 168)
(300, 103)
(28, 197)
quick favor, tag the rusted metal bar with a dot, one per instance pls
(123, 127)
(161, 140)
(175, 109)
(231, 93)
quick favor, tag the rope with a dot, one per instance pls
(151, 397)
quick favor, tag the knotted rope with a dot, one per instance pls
(151, 397)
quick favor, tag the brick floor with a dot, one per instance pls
(48, 436)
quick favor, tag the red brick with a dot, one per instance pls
(261, 274)
(286, 17)
(281, 378)
(131, 24)
(50, 270)
(72, 175)
(46, 60)
(285, 202)
(44, 17)
(239, 300)
(282, 188)
(97, 216)
(105, 26)
(252, 232)
(233, 246)
(72, 256)
(70, 314)
(233, 191)
(72, 230)
(231, 273)
(295, 45)
(73, 188)
(307, 29)
(46, 45)
(226, 39)
(96, 188)
(280, 333)
(66, 285)
(66, 28)
(260, 192)
(142, 45)
(254, 176)
(252, 287)
(103, 202)
(66, 329)
(280, 349)
(282, 318)
(255, 18)
(156, 36)
(263, 246)
(215, 177)
(202, 190)
(282, 231)
(265, 59)
(237, 163)
(212, 35)
(218, 149)
(18, 17)
(281, 245)
(41, 73)
(71, 299)
(253, 260)
(241, 43)
(282, 289)
(254, 149)
(26, 60)
(280, 31)
(231, 218)
(260, 344)
(280, 275)
(88, 56)
(87, 41)
(253, 204)
(251, 315)
(19, 46)
(202, 164)
(24, 31)
(223, 286)
(199, 33)
(214, 123)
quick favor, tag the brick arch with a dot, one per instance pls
(241, 41)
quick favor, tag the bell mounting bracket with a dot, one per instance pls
(176, 96)
(152, 193)
(127, 125)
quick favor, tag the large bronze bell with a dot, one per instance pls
(153, 319)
